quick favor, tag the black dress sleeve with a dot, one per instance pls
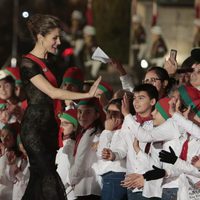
(29, 69)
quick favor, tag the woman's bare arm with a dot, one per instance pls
(56, 93)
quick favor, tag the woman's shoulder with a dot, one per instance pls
(28, 63)
(29, 68)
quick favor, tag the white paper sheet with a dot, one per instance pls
(100, 55)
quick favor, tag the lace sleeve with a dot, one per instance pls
(28, 69)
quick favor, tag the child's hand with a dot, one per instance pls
(95, 146)
(125, 106)
(133, 181)
(16, 110)
(4, 116)
(111, 124)
(171, 66)
(197, 185)
(196, 162)
(107, 154)
(16, 169)
(172, 106)
(68, 103)
(136, 145)
(11, 157)
(187, 112)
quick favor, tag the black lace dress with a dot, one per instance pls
(39, 136)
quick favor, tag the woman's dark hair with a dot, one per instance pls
(160, 72)
(42, 24)
(163, 75)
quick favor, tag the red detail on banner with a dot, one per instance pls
(154, 13)
(197, 11)
(89, 13)
(134, 7)
(154, 20)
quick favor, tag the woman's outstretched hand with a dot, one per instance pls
(93, 89)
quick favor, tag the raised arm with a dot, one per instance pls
(56, 93)
(126, 80)
(156, 134)
(181, 120)
(188, 125)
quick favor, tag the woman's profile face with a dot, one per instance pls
(51, 41)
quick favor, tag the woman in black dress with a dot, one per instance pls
(39, 129)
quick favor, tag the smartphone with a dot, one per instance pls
(173, 54)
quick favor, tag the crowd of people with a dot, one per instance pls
(78, 44)
(83, 140)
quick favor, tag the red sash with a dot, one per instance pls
(51, 78)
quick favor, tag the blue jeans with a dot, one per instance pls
(112, 190)
(138, 196)
(169, 194)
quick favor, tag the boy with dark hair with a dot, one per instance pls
(164, 134)
(145, 97)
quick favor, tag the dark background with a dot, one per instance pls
(111, 20)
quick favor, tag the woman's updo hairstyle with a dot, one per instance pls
(42, 24)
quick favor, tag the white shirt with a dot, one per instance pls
(134, 163)
(64, 160)
(154, 135)
(21, 179)
(168, 133)
(81, 174)
(125, 149)
(6, 185)
(108, 139)
(188, 125)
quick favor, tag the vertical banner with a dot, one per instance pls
(134, 7)
(154, 13)
(14, 33)
(197, 9)
(196, 40)
(133, 12)
(89, 13)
